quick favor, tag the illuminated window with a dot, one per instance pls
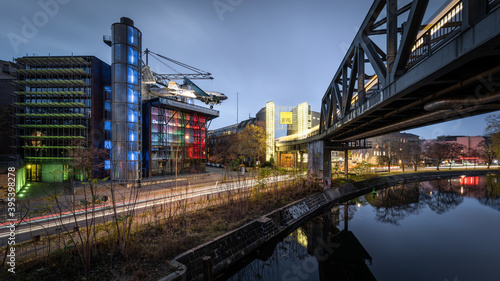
(132, 95)
(132, 135)
(132, 55)
(107, 145)
(132, 77)
(132, 34)
(132, 116)
(107, 126)
(132, 156)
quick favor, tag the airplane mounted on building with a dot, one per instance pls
(172, 89)
(208, 97)
(151, 80)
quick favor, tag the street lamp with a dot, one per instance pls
(177, 157)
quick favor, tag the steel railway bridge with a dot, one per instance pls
(445, 69)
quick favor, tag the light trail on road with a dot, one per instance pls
(64, 220)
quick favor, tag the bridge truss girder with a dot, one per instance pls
(351, 86)
(350, 79)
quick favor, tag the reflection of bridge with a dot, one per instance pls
(441, 70)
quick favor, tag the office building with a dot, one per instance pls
(59, 100)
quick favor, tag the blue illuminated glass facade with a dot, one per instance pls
(126, 102)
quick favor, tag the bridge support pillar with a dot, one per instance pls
(346, 164)
(319, 161)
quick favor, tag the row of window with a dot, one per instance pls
(84, 79)
(54, 121)
(36, 91)
(45, 152)
(55, 110)
(49, 142)
(170, 150)
(54, 99)
(59, 132)
(50, 67)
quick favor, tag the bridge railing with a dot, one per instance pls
(437, 34)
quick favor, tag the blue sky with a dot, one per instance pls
(264, 50)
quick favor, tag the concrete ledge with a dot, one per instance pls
(178, 275)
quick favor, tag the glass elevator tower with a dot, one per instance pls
(126, 101)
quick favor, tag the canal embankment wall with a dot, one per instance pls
(218, 255)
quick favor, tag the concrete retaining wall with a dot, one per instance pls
(233, 246)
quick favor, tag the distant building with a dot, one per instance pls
(293, 122)
(378, 148)
(471, 147)
(276, 121)
(221, 135)
(231, 129)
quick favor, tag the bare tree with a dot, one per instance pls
(223, 150)
(441, 151)
(391, 149)
(410, 152)
(455, 151)
(486, 151)
(414, 149)
(87, 162)
(493, 122)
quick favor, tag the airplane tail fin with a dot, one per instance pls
(199, 92)
(173, 85)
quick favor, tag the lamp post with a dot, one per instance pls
(176, 159)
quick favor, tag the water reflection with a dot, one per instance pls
(318, 250)
(416, 231)
(395, 203)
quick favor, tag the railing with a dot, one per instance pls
(436, 35)
(429, 41)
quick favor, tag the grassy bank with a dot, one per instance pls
(155, 237)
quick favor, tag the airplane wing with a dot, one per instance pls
(197, 90)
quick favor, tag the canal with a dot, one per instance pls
(445, 229)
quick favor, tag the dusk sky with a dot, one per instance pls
(281, 51)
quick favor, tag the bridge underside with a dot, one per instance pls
(469, 86)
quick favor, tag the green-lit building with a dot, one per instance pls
(59, 100)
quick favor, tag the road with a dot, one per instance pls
(65, 221)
